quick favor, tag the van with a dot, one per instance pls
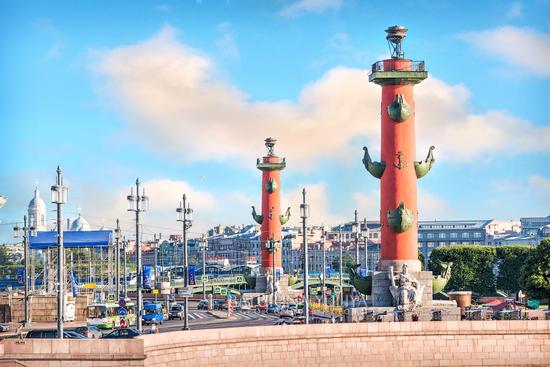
(153, 314)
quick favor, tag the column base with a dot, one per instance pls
(413, 265)
(381, 282)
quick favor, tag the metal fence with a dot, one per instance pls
(413, 66)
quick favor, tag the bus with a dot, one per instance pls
(106, 315)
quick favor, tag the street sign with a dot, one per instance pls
(111, 297)
(122, 312)
(186, 292)
(122, 302)
(224, 291)
(217, 290)
(122, 323)
(155, 291)
(240, 279)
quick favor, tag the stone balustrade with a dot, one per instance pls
(445, 343)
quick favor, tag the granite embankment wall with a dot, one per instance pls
(445, 343)
(43, 308)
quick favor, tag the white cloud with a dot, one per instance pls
(515, 10)
(368, 204)
(173, 101)
(309, 6)
(226, 42)
(317, 197)
(522, 47)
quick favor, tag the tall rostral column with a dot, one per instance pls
(398, 171)
(271, 218)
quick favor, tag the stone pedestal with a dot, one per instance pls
(381, 296)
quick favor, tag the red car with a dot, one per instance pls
(261, 307)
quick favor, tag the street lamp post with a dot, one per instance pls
(185, 215)
(365, 235)
(323, 271)
(138, 203)
(124, 287)
(117, 259)
(26, 277)
(272, 245)
(59, 197)
(341, 265)
(304, 213)
(203, 247)
(355, 228)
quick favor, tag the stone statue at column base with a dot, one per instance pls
(406, 291)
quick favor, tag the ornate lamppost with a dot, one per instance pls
(59, 197)
(138, 203)
(304, 213)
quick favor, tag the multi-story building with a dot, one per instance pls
(432, 234)
(532, 225)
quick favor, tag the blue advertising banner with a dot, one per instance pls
(277, 274)
(21, 275)
(147, 277)
(74, 284)
(191, 274)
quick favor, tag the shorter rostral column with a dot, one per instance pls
(271, 219)
(398, 172)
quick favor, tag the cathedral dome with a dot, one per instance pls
(80, 224)
(36, 201)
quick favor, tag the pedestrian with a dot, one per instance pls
(154, 329)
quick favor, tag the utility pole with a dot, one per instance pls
(117, 259)
(125, 288)
(59, 197)
(323, 272)
(356, 238)
(138, 203)
(185, 215)
(341, 265)
(304, 212)
(365, 233)
(26, 277)
(204, 246)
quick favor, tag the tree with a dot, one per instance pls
(509, 261)
(472, 267)
(4, 256)
(534, 276)
(347, 262)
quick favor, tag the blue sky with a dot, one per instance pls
(181, 94)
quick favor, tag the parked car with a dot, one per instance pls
(220, 305)
(244, 306)
(286, 313)
(122, 334)
(153, 313)
(176, 312)
(52, 334)
(203, 305)
(91, 332)
(4, 327)
(261, 307)
(272, 308)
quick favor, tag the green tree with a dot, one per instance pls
(472, 267)
(509, 260)
(347, 262)
(534, 276)
(4, 256)
(421, 259)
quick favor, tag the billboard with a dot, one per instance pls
(148, 277)
(191, 274)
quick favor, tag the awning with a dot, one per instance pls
(71, 239)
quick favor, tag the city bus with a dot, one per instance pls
(106, 315)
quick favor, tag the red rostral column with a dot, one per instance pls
(398, 171)
(271, 218)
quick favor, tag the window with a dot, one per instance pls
(431, 244)
(477, 234)
(465, 235)
(430, 235)
(420, 236)
(442, 235)
(454, 235)
(442, 243)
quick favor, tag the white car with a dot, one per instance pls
(244, 306)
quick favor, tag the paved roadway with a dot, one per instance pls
(205, 320)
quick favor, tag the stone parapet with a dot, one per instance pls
(445, 343)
